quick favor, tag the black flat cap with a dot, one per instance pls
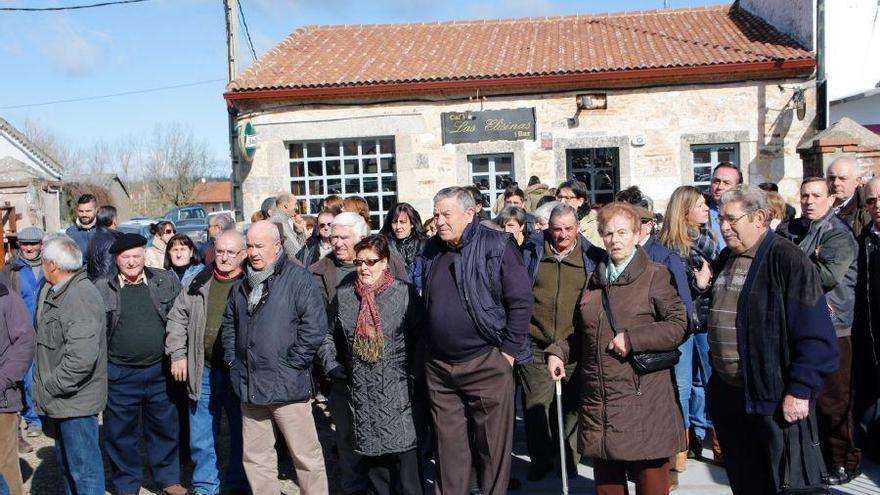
(126, 242)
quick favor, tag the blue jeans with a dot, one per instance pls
(4, 488)
(79, 455)
(684, 380)
(31, 419)
(702, 370)
(204, 429)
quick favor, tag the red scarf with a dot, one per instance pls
(369, 341)
(231, 275)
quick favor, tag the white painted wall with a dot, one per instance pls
(865, 111)
(853, 41)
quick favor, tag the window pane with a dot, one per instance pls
(333, 167)
(315, 169)
(388, 164)
(370, 166)
(504, 163)
(374, 222)
(314, 205)
(298, 188)
(296, 150)
(702, 156)
(297, 169)
(368, 147)
(351, 167)
(388, 184)
(316, 187)
(313, 150)
(371, 184)
(303, 204)
(352, 186)
(350, 148)
(334, 186)
(373, 203)
(479, 165)
(727, 155)
(388, 202)
(502, 181)
(386, 146)
(331, 148)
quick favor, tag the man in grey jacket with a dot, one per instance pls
(70, 376)
(193, 343)
(293, 228)
(830, 245)
(16, 356)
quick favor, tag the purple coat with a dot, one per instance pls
(17, 341)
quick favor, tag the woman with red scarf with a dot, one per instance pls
(376, 318)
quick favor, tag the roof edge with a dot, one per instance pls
(745, 68)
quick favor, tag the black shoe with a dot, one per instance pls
(854, 473)
(837, 476)
(695, 446)
(538, 472)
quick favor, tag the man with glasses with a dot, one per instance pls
(217, 225)
(725, 176)
(25, 273)
(772, 343)
(318, 244)
(194, 346)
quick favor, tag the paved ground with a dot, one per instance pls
(41, 474)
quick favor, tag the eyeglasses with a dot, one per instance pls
(372, 262)
(730, 220)
(222, 252)
(169, 231)
(322, 225)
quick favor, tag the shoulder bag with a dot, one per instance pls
(643, 362)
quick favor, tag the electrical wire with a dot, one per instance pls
(71, 7)
(247, 31)
(111, 95)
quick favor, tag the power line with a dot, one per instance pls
(111, 95)
(71, 7)
(247, 32)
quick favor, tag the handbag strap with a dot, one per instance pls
(608, 313)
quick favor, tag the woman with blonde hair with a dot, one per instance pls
(777, 209)
(686, 231)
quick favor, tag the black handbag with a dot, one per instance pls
(643, 362)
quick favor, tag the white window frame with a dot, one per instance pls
(707, 168)
(309, 200)
(492, 175)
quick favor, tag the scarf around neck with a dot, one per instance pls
(369, 340)
(89, 226)
(256, 279)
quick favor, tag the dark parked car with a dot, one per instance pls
(191, 220)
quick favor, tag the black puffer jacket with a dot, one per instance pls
(101, 263)
(380, 394)
(270, 349)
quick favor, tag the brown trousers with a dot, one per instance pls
(9, 468)
(651, 477)
(479, 391)
(834, 413)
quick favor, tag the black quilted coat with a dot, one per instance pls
(380, 394)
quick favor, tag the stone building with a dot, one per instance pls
(395, 112)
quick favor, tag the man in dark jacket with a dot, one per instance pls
(318, 244)
(17, 344)
(71, 370)
(86, 223)
(137, 302)
(25, 273)
(844, 182)
(559, 261)
(772, 342)
(830, 245)
(473, 340)
(274, 323)
(100, 262)
(866, 332)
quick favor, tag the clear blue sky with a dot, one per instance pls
(74, 54)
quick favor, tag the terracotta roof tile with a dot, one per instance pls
(360, 55)
(211, 192)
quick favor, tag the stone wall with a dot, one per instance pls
(757, 115)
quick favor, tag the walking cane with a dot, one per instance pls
(562, 436)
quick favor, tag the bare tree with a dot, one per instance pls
(52, 144)
(175, 161)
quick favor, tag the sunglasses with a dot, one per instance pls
(169, 231)
(358, 262)
(322, 225)
(870, 201)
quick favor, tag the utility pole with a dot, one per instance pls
(822, 110)
(230, 8)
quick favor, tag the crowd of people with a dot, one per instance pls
(726, 323)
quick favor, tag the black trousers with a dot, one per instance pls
(394, 474)
(479, 392)
(764, 455)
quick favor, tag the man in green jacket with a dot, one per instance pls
(70, 376)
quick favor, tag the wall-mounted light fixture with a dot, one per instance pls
(592, 101)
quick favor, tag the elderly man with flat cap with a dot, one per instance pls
(137, 301)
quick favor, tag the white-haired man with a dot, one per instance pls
(71, 364)
(346, 230)
(844, 182)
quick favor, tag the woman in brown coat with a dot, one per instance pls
(629, 422)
